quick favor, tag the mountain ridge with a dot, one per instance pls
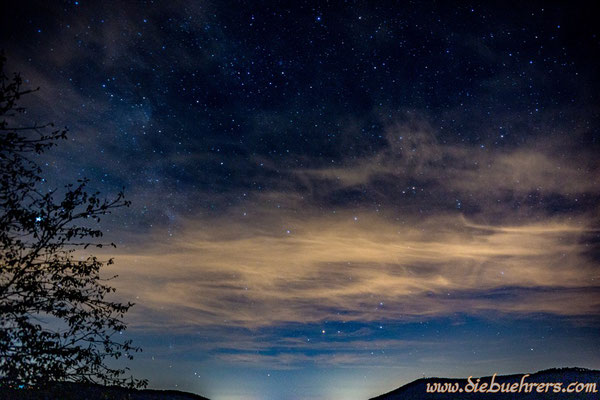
(415, 390)
(567, 375)
(79, 391)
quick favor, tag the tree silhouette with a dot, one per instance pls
(55, 321)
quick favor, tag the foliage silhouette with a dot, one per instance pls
(56, 323)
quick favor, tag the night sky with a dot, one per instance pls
(330, 200)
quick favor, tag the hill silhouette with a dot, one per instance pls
(416, 390)
(79, 391)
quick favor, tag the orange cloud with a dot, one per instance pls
(356, 266)
(281, 257)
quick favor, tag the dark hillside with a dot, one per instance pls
(416, 390)
(76, 391)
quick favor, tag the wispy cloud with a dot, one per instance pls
(279, 258)
(415, 152)
(342, 267)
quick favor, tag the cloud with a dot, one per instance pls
(357, 267)
(519, 246)
(414, 153)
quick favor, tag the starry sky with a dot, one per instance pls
(331, 199)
